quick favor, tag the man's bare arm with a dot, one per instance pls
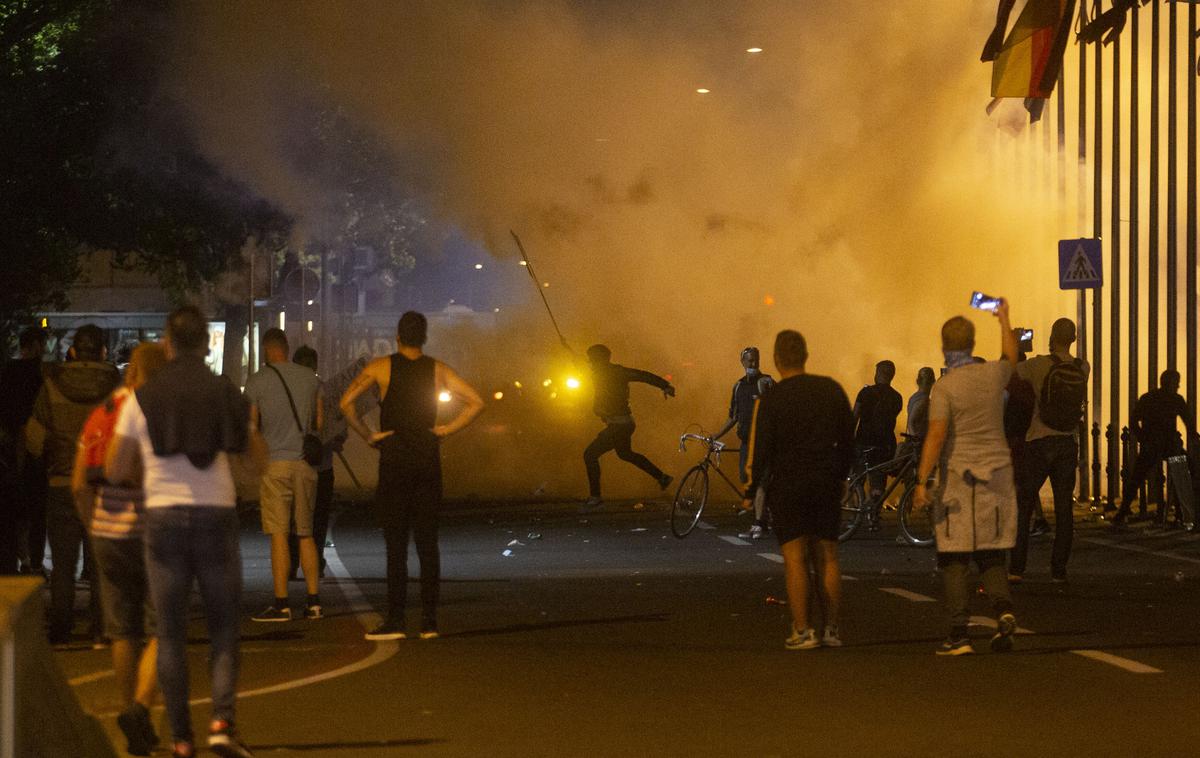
(363, 382)
(931, 452)
(464, 393)
(1008, 341)
(122, 463)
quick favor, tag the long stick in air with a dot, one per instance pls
(537, 283)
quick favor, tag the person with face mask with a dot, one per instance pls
(746, 392)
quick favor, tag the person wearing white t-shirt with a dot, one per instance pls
(175, 436)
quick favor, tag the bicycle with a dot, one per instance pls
(916, 525)
(692, 494)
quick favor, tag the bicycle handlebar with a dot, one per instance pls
(715, 445)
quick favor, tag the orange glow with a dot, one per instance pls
(769, 300)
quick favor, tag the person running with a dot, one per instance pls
(69, 392)
(179, 430)
(746, 392)
(610, 382)
(974, 505)
(285, 403)
(1059, 383)
(409, 494)
(875, 411)
(1155, 426)
(801, 449)
(114, 517)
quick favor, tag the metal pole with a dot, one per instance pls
(1114, 309)
(1191, 216)
(250, 319)
(1097, 231)
(1152, 252)
(1135, 74)
(1172, 185)
(1085, 488)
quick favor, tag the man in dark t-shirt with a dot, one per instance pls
(611, 403)
(803, 434)
(1154, 423)
(875, 412)
(742, 402)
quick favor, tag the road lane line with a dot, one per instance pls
(95, 676)
(848, 578)
(733, 540)
(775, 557)
(1118, 661)
(705, 525)
(916, 597)
(991, 624)
(1139, 549)
(366, 617)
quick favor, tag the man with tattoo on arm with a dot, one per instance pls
(409, 493)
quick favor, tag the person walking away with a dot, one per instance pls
(746, 392)
(409, 494)
(285, 403)
(113, 514)
(875, 411)
(69, 392)
(333, 436)
(179, 430)
(22, 476)
(974, 505)
(801, 450)
(1051, 450)
(1019, 401)
(1155, 427)
(610, 383)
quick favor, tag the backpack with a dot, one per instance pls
(1064, 394)
(98, 432)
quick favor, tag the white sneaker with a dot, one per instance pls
(757, 532)
(831, 638)
(805, 639)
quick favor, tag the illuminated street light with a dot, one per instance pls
(524, 263)
(702, 90)
(547, 383)
(309, 326)
(499, 395)
(517, 385)
(754, 49)
(310, 302)
(553, 395)
(572, 383)
(443, 397)
(282, 321)
(478, 266)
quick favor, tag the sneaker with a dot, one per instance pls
(388, 630)
(135, 724)
(956, 646)
(1006, 625)
(757, 532)
(831, 637)
(593, 502)
(1040, 528)
(273, 615)
(802, 640)
(1058, 579)
(665, 480)
(223, 740)
(313, 613)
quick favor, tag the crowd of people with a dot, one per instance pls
(136, 474)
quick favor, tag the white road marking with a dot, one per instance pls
(366, 617)
(848, 578)
(1118, 661)
(734, 540)
(776, 557)
(991, 624)
(916, 597)
(1139, 549)
(95, 676)
(705, 525)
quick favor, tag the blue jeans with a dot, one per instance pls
(187, 543)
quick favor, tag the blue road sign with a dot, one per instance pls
(1079, 264)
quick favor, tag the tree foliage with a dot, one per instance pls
(94, 156)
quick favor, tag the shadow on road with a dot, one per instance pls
(517, 628)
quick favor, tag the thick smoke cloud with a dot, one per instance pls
(844, 182)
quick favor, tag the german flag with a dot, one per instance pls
(1028, 63)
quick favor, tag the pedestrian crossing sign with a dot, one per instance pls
(1079, 264)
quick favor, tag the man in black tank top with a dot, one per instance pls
(409, 493)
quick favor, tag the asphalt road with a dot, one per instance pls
(605, 635)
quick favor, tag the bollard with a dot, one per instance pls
(1110, 466)
(1096, 463)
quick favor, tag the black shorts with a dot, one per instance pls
(805, 509)
(124, 592)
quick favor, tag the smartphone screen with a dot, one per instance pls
(984, 302)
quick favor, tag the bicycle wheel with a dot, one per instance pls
(854, 509)
(916, 525)
(689, 501)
